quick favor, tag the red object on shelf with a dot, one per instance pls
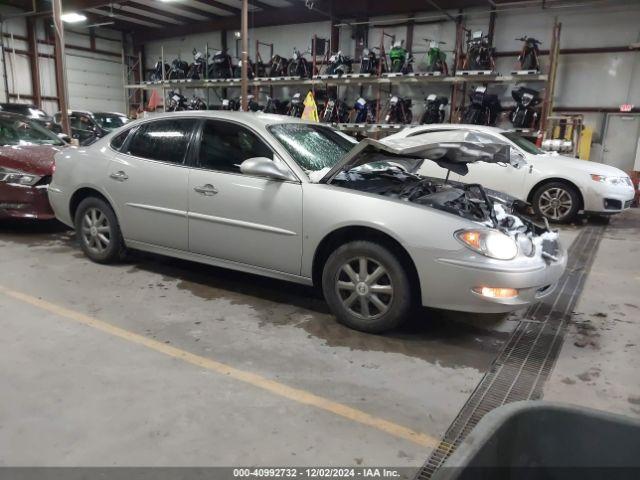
(635, 178)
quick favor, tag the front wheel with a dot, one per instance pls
(367, 287)
(557, 201)
(98, 231)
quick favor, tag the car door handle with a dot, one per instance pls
(206, 190)
(120, 176)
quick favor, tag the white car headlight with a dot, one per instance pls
(18, 178)
(611, 180)
(491, 243)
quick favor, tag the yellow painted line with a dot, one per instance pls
(277, 388)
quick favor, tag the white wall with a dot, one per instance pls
(95, 81)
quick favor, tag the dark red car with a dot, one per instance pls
(26, 166)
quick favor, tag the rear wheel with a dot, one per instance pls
(557, 201)
(367, 287)
(98, 231)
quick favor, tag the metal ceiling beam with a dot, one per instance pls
(126, 18)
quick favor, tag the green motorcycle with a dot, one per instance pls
(436, 58)
(401, 60)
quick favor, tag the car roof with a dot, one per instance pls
(452, 126)
(12, 115)
(254, 119)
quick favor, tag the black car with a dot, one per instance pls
(84, 126)
(33, 113)
(110, 120)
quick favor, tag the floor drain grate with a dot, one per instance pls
(520, 370)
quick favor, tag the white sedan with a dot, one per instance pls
(558, 187)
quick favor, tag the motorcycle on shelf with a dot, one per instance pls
(436, 58)
(370, 61)
(230, 104)
(278, 66)
(179, 69)
(434, 109)
(529, 54)
(296, 106)
(399, 110)
(274, 105)
(299, 66)
(524, 114)
(237, 70)
(365, 111)
(199, 66)
(176, 102)
(221, 65)
(196, 103)
(401, 60)
(335, 111)
(483, 109)
(480, 54)
(157, 74)
(339, 64)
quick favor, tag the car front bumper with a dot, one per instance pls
(448, 282)
(19, 201)
(607, 199)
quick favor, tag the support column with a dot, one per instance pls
(61, 71)
(244, 88)
(34, 61)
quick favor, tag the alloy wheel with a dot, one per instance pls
(96, 231)
(364, 287)
(555, 203)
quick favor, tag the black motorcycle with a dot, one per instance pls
(339, 64)
(434, 109)
(529, 54)
(335, 111)
(277, 67)
(221, 65)
(274, 105)
(371, 61)
(179, 69)
(157, 73)
(196, 103)
(483, 109)
(365, 111)
(524, 115)
(480, 54)
(232, 104)
(237, 70)
(199, 66)
(296, 106)
(177, 102)
(299, 66)
(399, 110)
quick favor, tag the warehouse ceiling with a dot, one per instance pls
(156, 19)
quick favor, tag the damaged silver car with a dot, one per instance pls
(302, 202)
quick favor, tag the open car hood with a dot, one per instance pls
(454, 156)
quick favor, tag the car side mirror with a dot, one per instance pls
(265, 167)
(517, 159)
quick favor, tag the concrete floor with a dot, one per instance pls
(77, 392)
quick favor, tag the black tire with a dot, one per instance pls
(552, 189)
(112, 251)
(398, 303)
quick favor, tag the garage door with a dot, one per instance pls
(95, 85)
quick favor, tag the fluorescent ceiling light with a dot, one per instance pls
(73, 17)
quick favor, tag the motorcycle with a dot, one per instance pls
(436, 58)
(365, 111)
(230, 104)
(434, 109)
(370, 61)
(199, 66)
(529, 54)
(274, 105)
(524, 115)
(480, 54)
(157, 74)
(178, 69)
(221, 66)
(335, 111)
(299, 66)
(339, 64)
(177, 102)
(296, 106)
(196, 103)
(399, 110)
(483, 109)
(278, 66)
(401, 60)
(237, 70)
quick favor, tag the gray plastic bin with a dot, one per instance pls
(534, 439)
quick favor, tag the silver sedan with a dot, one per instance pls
(275, 196)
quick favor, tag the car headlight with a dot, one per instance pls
(611, 180)
(491, 243)
(18, 178)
